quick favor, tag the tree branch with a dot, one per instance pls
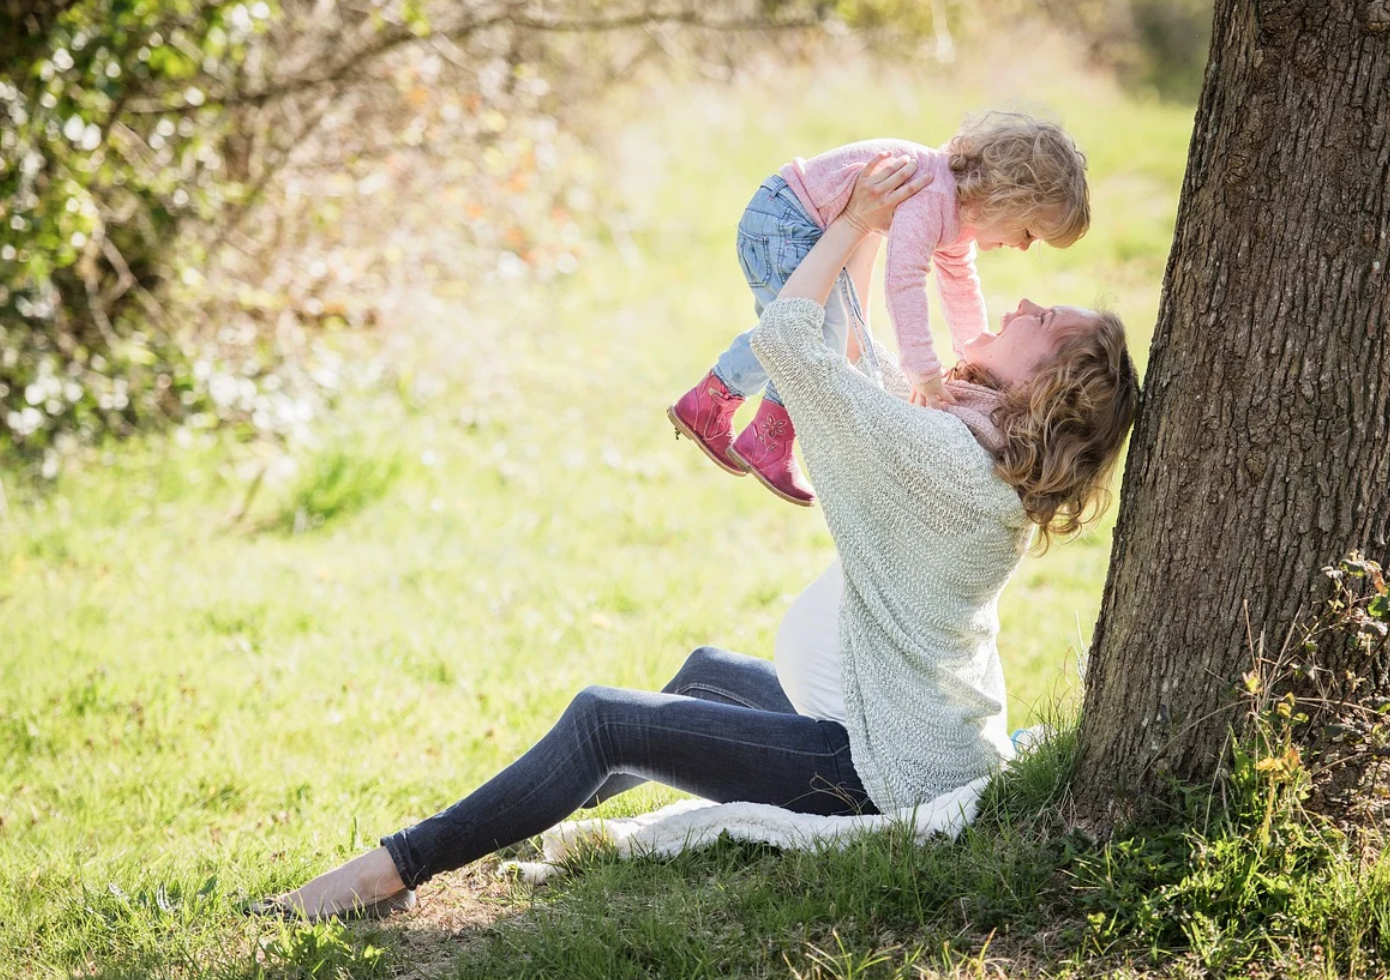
(243, 206)
(399, 36)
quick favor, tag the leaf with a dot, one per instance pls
(1359, 566)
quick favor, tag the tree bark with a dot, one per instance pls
(1262, 451)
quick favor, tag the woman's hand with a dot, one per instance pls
(884, 183)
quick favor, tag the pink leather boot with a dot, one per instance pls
(765, 450)
(705, 415)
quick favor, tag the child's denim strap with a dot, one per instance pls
(861, 329)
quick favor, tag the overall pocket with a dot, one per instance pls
(754, 257)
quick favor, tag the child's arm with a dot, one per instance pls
(917, 228)
(861, 272)
(961, 298)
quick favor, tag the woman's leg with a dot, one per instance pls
(712, 674)
(722, 752)
(708, 674)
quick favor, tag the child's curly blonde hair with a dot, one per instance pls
(1014, 168)
(1064, 428)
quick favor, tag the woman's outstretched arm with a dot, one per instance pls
(840, 413)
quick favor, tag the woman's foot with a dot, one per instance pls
(277, 908)
(705, 415)
(368, 886)
(765, 450)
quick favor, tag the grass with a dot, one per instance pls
(220, 676)
(335, 483)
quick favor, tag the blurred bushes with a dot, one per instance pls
(95, 183)
(1170, 45)
(1160, 45)
(175, 175)
(195, 194)
(1152, 45)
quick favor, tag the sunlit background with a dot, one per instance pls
(335, 346)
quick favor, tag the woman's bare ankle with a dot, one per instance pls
(380, 869)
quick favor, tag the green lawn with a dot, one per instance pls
(195, 710)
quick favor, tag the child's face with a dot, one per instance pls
(1003, 234)
(1026, 341)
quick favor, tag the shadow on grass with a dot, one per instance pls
(885, 907)
(878, 910)
(1020, 893)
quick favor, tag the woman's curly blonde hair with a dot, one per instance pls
(1011, 167)
(1064, 429)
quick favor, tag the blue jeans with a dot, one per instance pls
(721, 729)
(775, 235)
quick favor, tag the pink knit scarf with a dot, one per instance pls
(974, 406)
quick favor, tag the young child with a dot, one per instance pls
(1005, 180)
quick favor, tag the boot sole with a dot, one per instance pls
(684, 430)
(749, 468)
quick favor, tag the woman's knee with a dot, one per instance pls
(583, 723)
(703, 659)
(595, 719)
(697, 666)
(591, 701)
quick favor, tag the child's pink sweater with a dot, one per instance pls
(926, 229)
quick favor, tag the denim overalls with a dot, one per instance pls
(774, 236)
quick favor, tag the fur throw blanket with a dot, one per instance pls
(699, 823)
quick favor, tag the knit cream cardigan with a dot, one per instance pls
(928, 537)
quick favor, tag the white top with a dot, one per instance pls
(807, 652)
(928, 535)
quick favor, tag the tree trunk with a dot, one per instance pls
(1262, 452)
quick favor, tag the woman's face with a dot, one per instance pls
(1026, 341)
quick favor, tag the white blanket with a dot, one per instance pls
(699, 823)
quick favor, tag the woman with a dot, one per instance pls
(931, 512)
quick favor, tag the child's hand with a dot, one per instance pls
(931, 393)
